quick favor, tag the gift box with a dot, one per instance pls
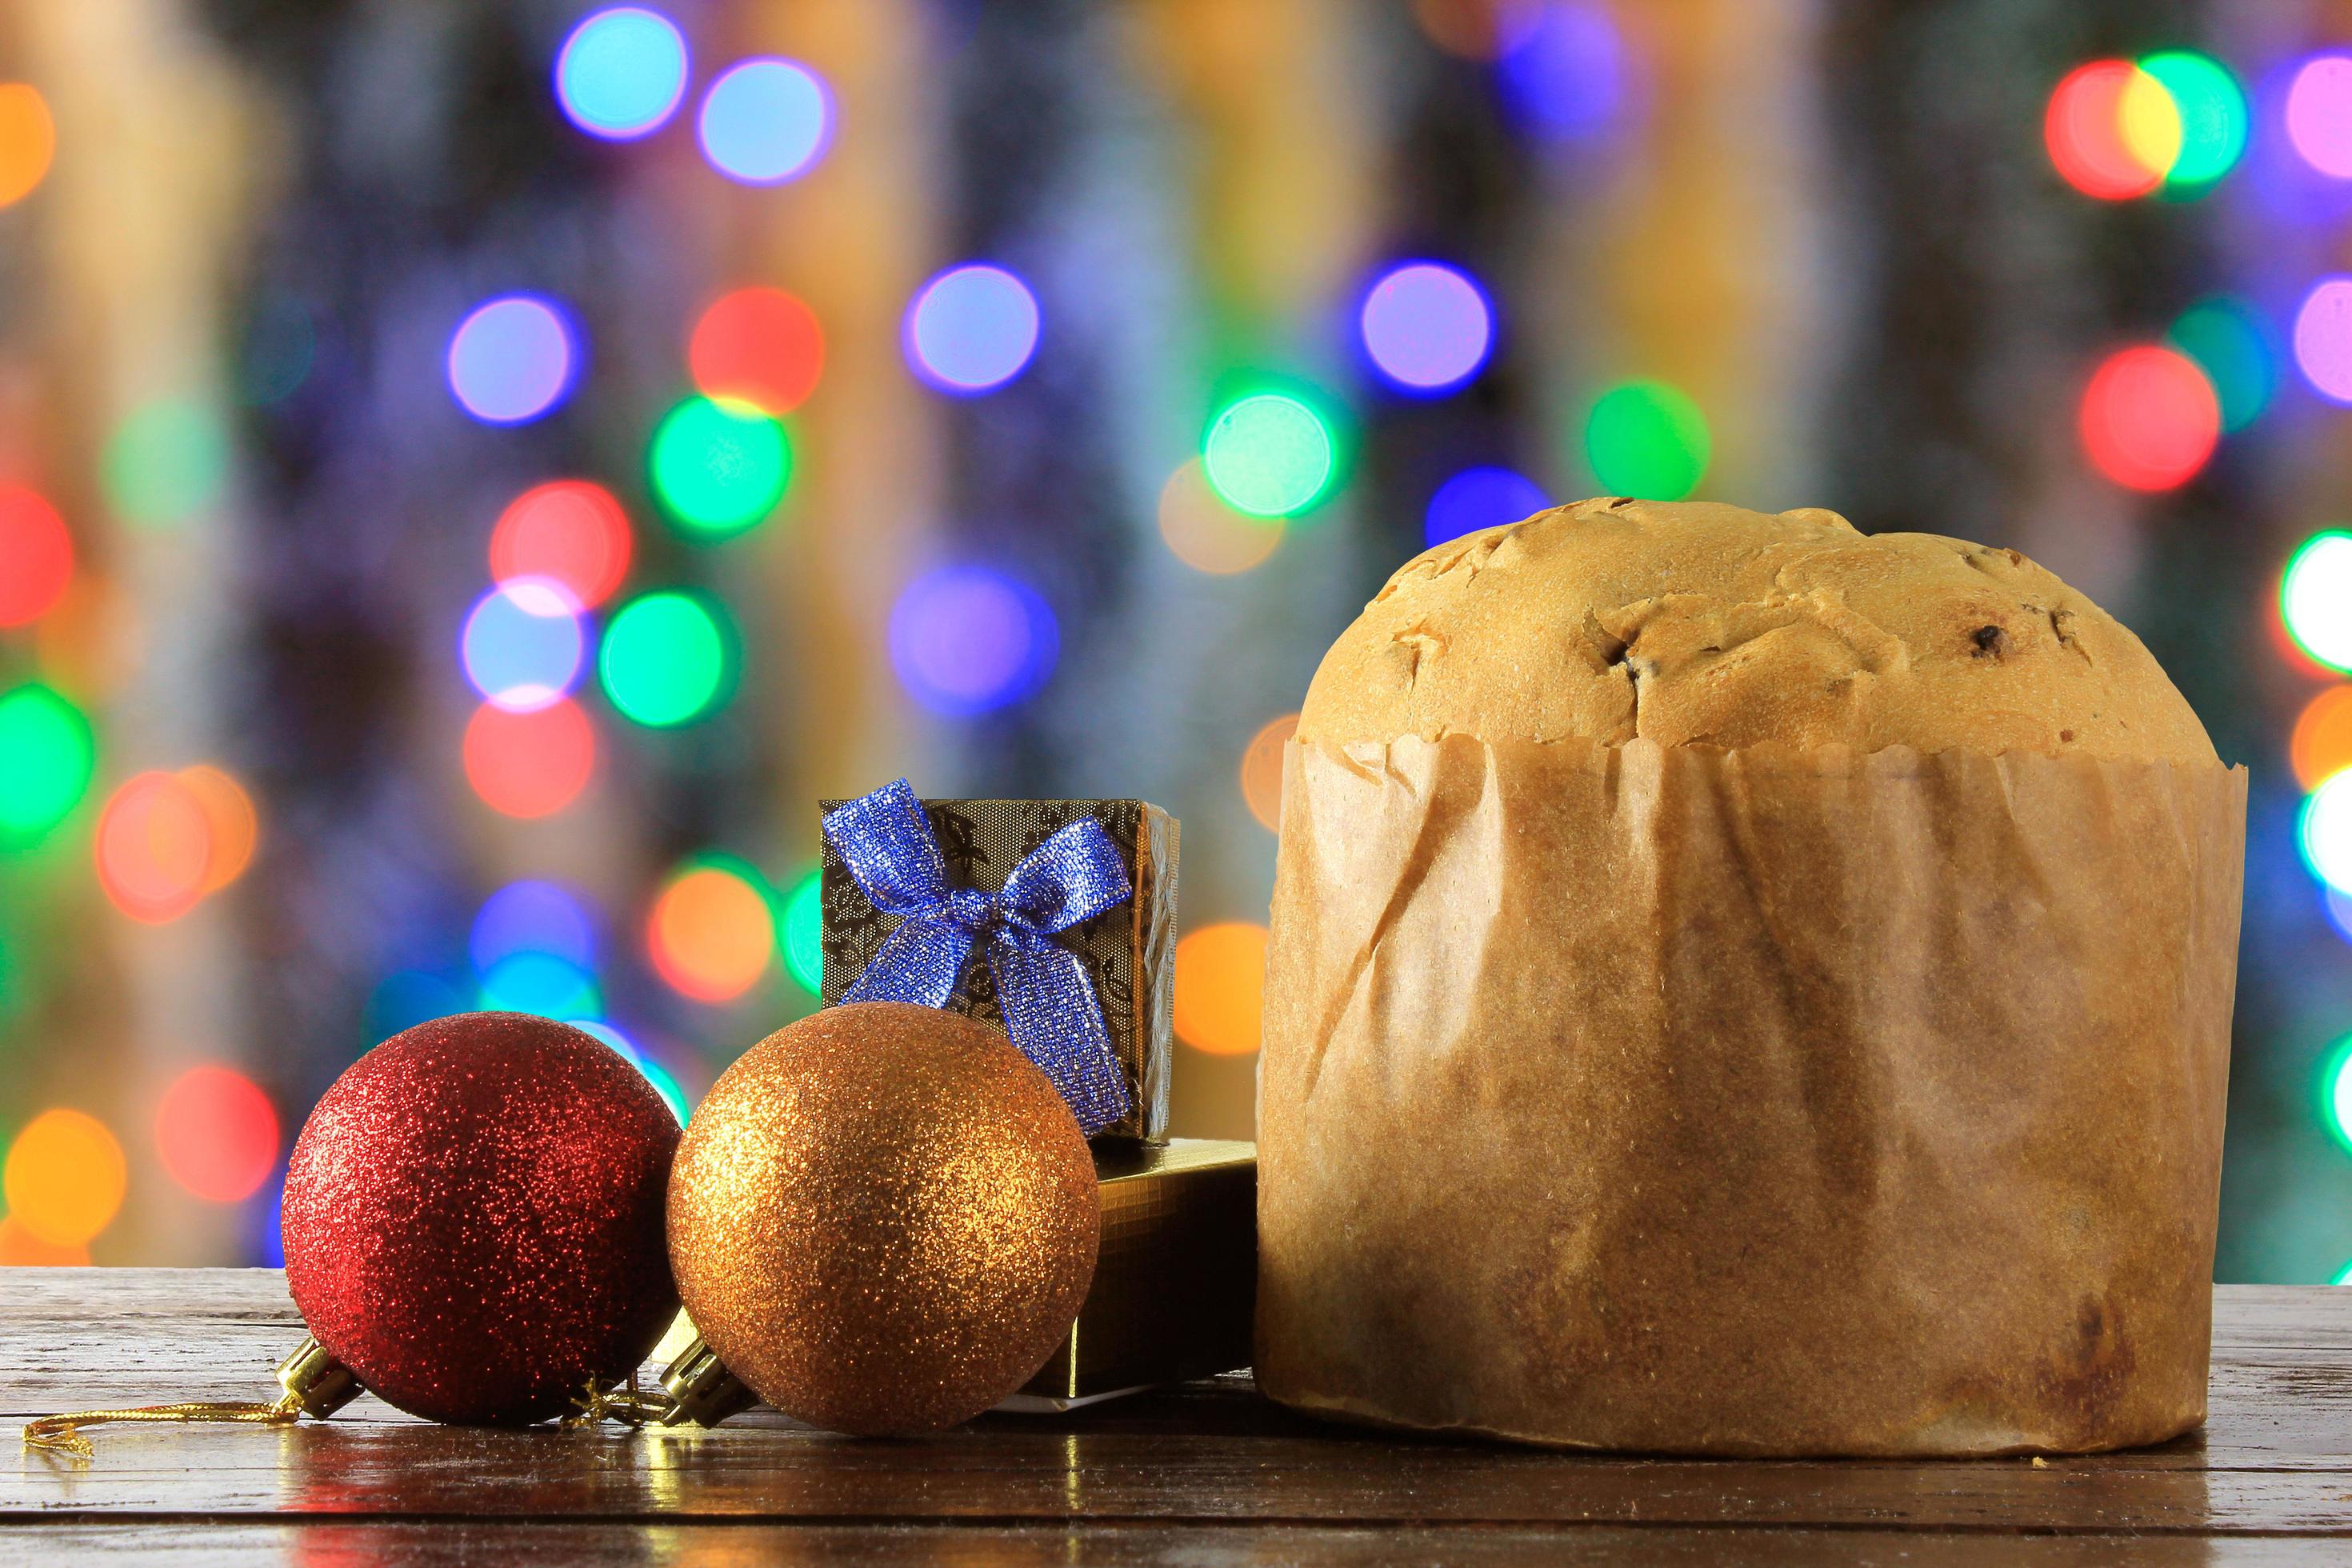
(1176, 1280)
(1126, 953)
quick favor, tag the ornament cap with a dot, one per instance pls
(316, 1381)
(701, 1389)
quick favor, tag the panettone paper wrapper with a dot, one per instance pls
(1754, 1102)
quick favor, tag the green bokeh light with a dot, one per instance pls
(1645, 439)
(2232, 346)
(49, 756)
(720, 468)
(165, 462)
(1268, 455)
(667, 659)
(804, 934)
(2212, 118)
(2335, 1093)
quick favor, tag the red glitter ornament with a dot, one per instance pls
(473, 1218)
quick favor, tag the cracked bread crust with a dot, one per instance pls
(1697, 624)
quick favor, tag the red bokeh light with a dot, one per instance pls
(153, 848)
(2149, 418)
(36, 557)
(2084, 131)
(217, 1134)
(530, 765)
(571, 530)
(761, 345)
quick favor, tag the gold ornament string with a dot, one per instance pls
(62, 1434)
(623, 1401)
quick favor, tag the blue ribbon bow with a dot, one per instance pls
(1049, 1009)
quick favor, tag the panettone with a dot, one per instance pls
(1740, 986)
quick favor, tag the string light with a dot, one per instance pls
(2149, 418)
(720, 468)
(1221, 988)
(765, 121)
(667, 659)
(1481, 498)
(216, 1134)
(542, 984)
(1426, 327)
(713, 931)
(36, 557)
(231, 827)
(972, 329)
(65, 1177)
(966, 641)
(2324, 832)
(2319, 114)
(1205, 533)
(50, 758)
(1565, 75)
(803, 933)
(1269, 455)
(2315, 598)
(2112, 129)
(532, 917)
(2323, 338)
(511, 359)
(2321, 744)
(760, 346)
(522, 643)
(531, 764)
(620, 73)
(20, 1249)
(569, 531)
(2209, 109)
(28, 141)
(153, 848)
(1646, 439)
(2335, 1101)
(2231, 344)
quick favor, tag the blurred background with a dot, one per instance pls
(473, 475)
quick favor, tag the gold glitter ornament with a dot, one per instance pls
(882, 1219)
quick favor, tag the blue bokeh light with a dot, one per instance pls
(539, 982)
(1481, 498)
(1427, 327)
(968, 639)
(524, 646)
(511, 359)
(972, 329)
(620, 73)
(765, 121)
(1565, 78)
(532, 917)
(407, 997)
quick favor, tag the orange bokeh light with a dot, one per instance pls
(1221, 988)
(530, 765)
(20, 1249)
(216, 1133)
(153, 847)
(65, 1177)
(571, 530)
(1262, 770)
(2149, 418)
(36, 557)
(712, 934)
(761, 346)
(29, 139)
(234, 827)
(1205, 533)
(1477, 30)
(2321, 746)
(2088, 132)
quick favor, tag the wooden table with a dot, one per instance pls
(1206, 1473)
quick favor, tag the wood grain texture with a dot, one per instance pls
(1206, 1473)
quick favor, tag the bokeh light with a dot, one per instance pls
(2105, 129)
(968, 639)
(1221, 988)
(407, 997)
(569, 531)
(2210, 111)
(1477, 30)
(511, 359)
(2315, 598)
(1262, 770)
(153, 847)
(539, 982)
(2336, 1094)
(1269, 455)
(1564, 74)
(620, 73)
(1648, 440)
(2149, 418)
(231, 827)
(1205, 533)
(760, 346)
(532, 916)
(530, 765)
(652, 1071)
(20, 1249)
(36, 556)
(167, 462)
(972, 329)
(1427, 327)
(2321, 744)
(2324, 833)
(1481, 498)
(216, 1134)
(2319, 114)
(802, 927)
(522, 645)
(50, 756)
(667, 658)
(719, 467)
(765, 121)
(2323, 338)
(65, 1176)
(2231, 344)
(28, 141)
(712, 933)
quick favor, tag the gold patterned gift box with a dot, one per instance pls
(1127, 952)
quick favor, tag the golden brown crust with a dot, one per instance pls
(1697, 624)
